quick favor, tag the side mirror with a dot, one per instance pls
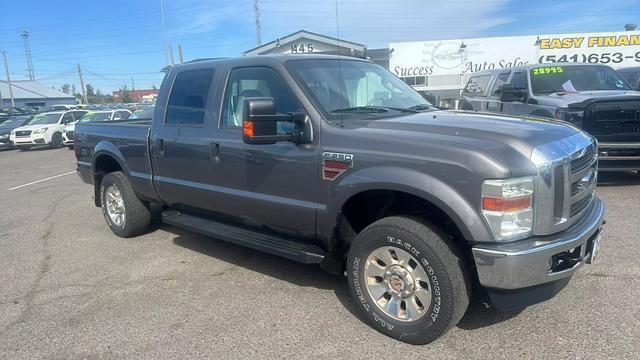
(509, 93)
(260, 123)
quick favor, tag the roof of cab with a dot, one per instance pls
(271, 58)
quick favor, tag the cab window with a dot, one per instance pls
(477, 84)
(188, 98)
(247, 83)
(519, 80)
(500, 81)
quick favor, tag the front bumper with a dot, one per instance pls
(619, 156)
(29, 140)
(5, 144)
(530, 262)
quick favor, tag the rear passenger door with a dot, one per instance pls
(180, 142)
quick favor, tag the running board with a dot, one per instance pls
(290, 249)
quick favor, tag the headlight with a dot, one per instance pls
(573, 116)
(40, 131)
(507, 205)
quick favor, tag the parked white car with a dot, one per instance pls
(92, 116)
(44, 129)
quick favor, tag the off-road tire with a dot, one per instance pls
(137, 213)
(438, 256)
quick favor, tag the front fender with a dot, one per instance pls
(440, 194)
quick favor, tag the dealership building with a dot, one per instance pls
(31, 93)
(441, 67)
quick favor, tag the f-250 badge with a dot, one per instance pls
(334, 164)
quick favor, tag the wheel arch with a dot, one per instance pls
(106, 158)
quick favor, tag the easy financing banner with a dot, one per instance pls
(464, 56)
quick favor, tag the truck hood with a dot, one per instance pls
(583, 98)
(508, 139)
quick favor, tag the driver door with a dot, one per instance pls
(269, 186)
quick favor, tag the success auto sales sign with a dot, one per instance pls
(463, 56)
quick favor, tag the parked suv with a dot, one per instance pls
(44, 129)
(92, 116)
(591, 97)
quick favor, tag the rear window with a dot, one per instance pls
(477, 84)
(189, 97)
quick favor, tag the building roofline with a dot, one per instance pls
(271, 44)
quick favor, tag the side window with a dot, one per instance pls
(477, 84)
(501, 80)
(255, 82)
(519, 80)
(67, 118)
(78, 114)
(189, 97)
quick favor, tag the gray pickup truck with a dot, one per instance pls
(593, 98)
(335, 161)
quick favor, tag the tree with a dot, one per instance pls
(90, 91)
(125, 94)
(66, 88)
(99, 93)
(153, 86)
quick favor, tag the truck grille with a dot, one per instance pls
(567, 177)
(23, 133)
(608, 119)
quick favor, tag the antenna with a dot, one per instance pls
(27, 49)
(339, 66)
(256, 10)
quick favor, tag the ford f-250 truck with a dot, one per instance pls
(335, 161)
(592, 97)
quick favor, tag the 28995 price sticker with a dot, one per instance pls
(603, 58)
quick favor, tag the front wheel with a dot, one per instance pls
(56, 141)
(126, 215)
(407, 279)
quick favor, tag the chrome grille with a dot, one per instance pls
(567, 171)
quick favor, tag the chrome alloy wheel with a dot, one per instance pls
(397, 283)
(115, 205)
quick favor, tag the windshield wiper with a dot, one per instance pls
(361, 110)
(422, 107)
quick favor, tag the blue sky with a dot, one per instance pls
(117, 40)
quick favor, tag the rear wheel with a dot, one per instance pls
(407, 279)
(126, 215)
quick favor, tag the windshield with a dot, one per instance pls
(356, 89)
(144, 113)
(42, 119)
(550, 79)
(95, 117)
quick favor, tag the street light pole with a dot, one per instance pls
(164, 34)
(6, 68)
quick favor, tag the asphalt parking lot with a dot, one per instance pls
(69, 288)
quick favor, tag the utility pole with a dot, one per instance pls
(256, 10)
(84, 91)
(164, 35)
(133, 85)
(180, 53)
(6, 68)
(27, 49)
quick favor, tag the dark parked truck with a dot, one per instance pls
(335, 161)
(594, 98)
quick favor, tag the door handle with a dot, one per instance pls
(214, 152)
(159, 147)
